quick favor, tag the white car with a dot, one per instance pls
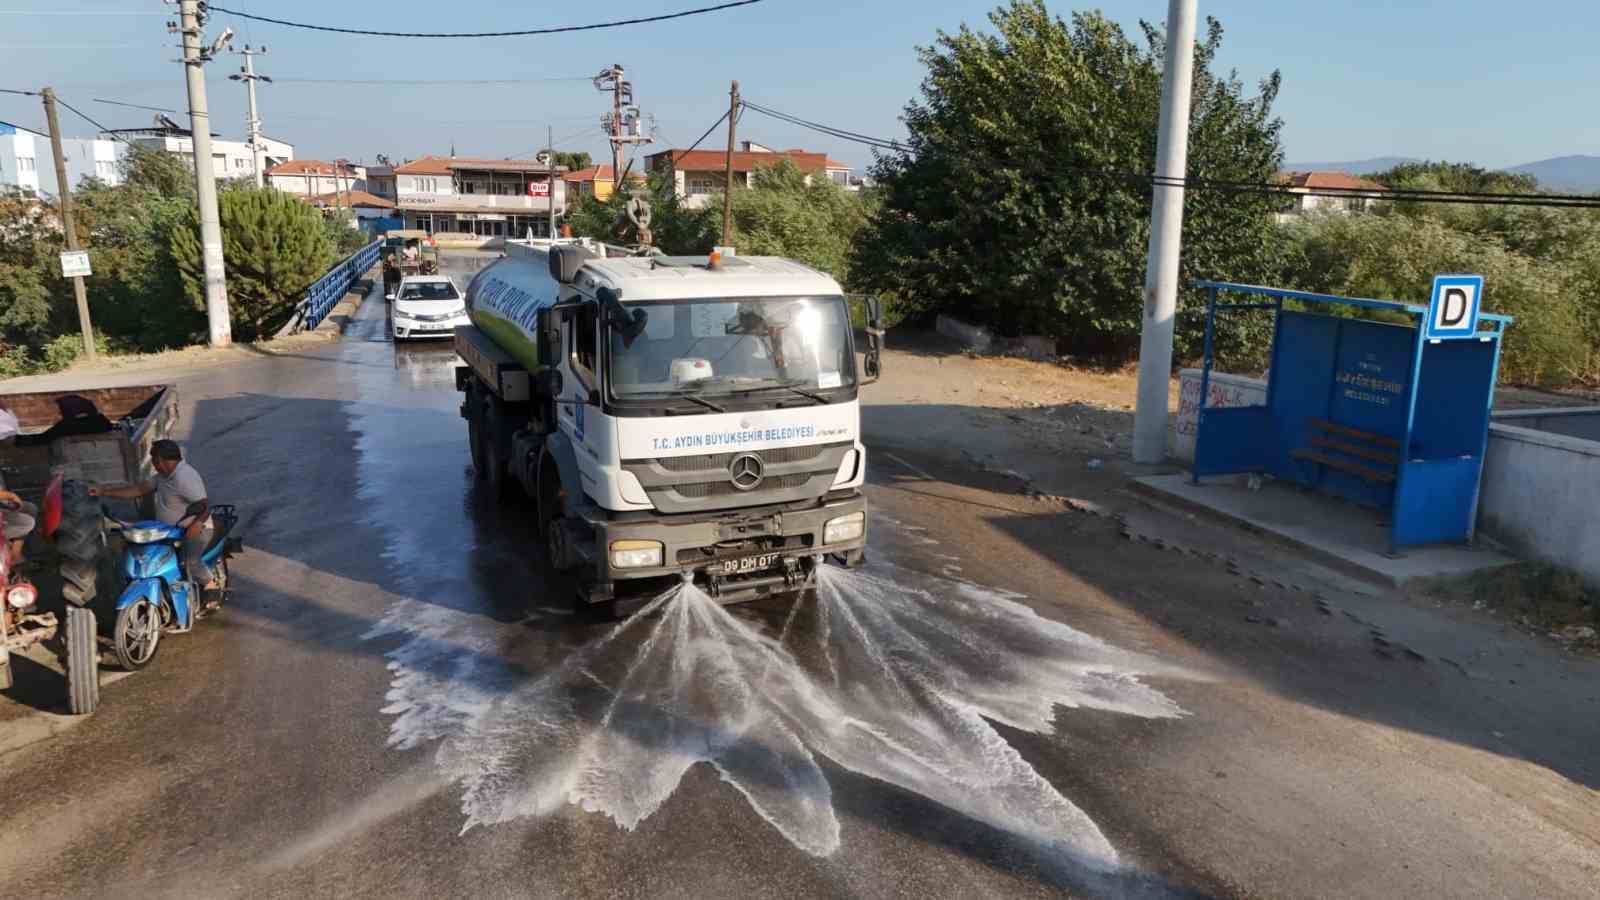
(428, 306)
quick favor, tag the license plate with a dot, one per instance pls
(745, 564)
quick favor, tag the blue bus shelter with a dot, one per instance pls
(1388, 414)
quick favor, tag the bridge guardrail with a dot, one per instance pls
(328, 290)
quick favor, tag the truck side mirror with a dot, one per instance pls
(872, 365)
(549, 333)
(548, 382)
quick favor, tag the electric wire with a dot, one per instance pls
(429, 81)
(489, 34)
(1283, 189)
(135, 105)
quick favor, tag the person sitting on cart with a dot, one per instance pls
(17, 516)
(180, 495)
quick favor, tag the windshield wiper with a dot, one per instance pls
(700, 400)
(791, 386)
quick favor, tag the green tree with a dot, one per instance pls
(275, 246)
(573, 160)
(678, 228)
(1020, 199)
(1396, 256)
(782, 215)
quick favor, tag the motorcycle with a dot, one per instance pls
(160, 597)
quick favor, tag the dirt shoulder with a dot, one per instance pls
(198, 357)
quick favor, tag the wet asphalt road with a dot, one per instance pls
(337, 732)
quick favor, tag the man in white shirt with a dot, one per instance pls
(180, 497)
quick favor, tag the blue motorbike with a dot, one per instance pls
(159, 596)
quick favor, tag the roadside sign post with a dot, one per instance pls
(1453, 307)
(79, 264)
(75, 264)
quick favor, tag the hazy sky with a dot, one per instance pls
(1490, 82)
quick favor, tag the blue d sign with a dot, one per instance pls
(1453, 309)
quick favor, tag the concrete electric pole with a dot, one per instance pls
(195, 57)
(69, 230)
(1166, 238)
(247, 74)
(727, 175)
(623, 125)
(550, 167)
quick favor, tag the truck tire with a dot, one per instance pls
(475, 442)
(80, 542)
(495, 472)
(83, 662)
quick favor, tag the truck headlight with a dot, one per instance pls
(635, 554)
(845, 528)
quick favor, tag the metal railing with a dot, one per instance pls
(328, 290)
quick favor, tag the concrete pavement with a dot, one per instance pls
(1110, 704)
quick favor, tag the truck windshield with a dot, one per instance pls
(734, 345)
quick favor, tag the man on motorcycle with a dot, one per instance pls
(180, 494)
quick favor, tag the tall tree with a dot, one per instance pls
(275, 245)
(573, 160)
(1022, 199)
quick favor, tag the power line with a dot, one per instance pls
(1416, 195)
(720, 119)
(80, 114)
(490, 34)
(136, 106)
(76, 12)
(430, 81)
(880, 143)
(23, 93)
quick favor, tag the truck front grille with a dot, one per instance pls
(702, 482)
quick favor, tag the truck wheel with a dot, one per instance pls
(137, 636)
(475, 442)
(495, 473)
(81, 544)
(83, 662)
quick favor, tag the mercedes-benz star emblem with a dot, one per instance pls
(746, 471)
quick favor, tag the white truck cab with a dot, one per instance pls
(670, 416)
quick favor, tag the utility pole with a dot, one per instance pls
(550, 164)
(195, 56)
(64, 193)
(1166, 238)
(623, 124)
(253, 124)
(338, 189)
(617, 84)
(727, 176)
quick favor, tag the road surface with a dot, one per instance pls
(1015, 699)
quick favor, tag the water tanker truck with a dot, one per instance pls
(669, 417)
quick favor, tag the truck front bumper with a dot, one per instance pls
(734, 556)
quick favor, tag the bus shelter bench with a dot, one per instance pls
(1375, 456)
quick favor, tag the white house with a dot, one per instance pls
(698, 175)
(313, 177)
(479, 199)
(26, 161)
(229, 159)
(1346, 193)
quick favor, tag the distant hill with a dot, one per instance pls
(1564, 173)
(1352, 167)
